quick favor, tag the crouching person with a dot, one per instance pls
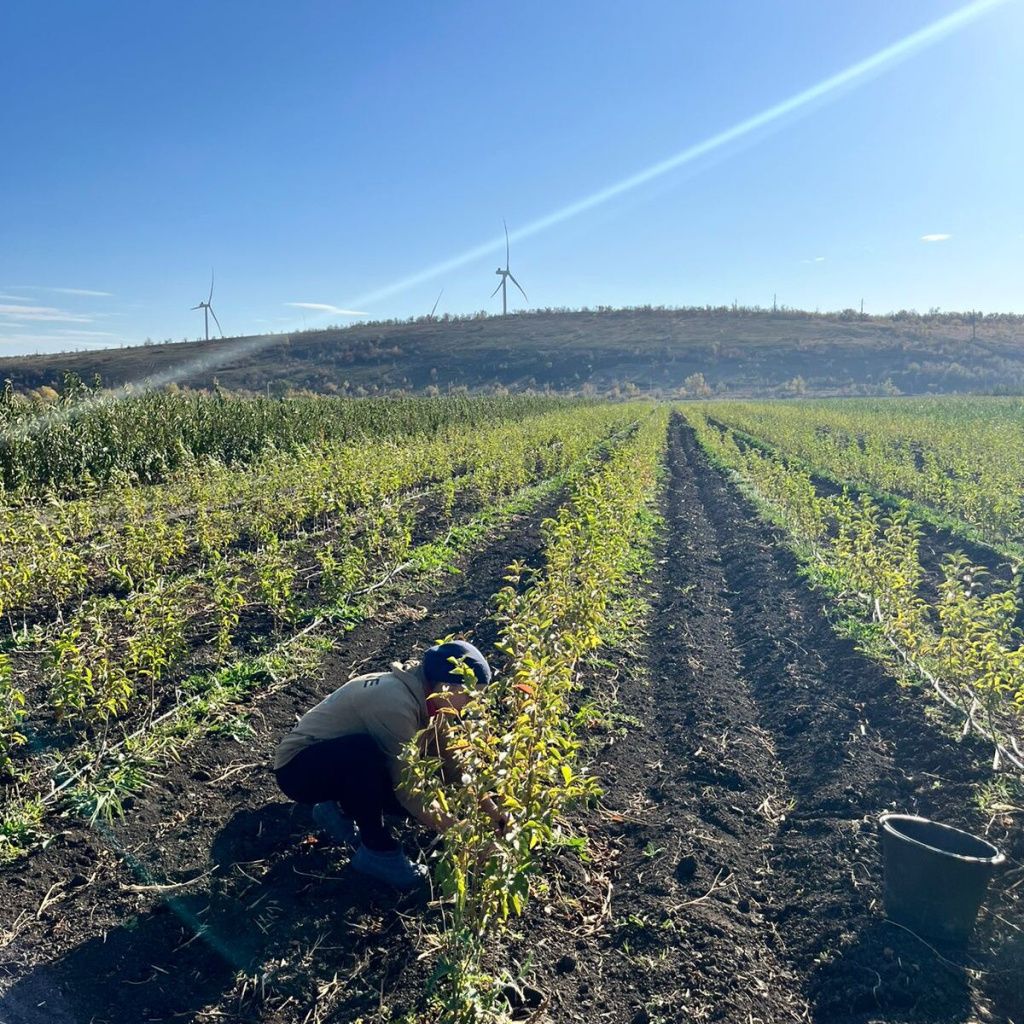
(343, 756)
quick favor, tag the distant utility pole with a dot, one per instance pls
(861, 307)
(775, 304)
(974, 325)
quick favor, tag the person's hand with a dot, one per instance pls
(499, 818)
(488, 850)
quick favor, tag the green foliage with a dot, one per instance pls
(88, 678)
(20, 827)
(103, 795)
(57, 551)
(93, 438)
(957, 456)
(123, 593)
(155, 640)
(342, 568)
(227, 597)
(979, 646)
(12, 714)
(275, 580)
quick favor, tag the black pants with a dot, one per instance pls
(350, 770)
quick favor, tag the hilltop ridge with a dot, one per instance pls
(742, 352)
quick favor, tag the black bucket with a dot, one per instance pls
(935, 876)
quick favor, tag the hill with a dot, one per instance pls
(742, 352)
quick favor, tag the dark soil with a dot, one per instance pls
(733, 871)
(741, 845)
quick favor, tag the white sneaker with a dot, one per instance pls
(338, 826)
(391, 867)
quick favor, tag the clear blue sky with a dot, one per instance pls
(324, 153)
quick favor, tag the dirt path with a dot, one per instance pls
(82, 946)
(746, 876)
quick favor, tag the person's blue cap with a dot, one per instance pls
(438, 668)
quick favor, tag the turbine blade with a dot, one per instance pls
(200, 306)
(217, 322)
(210, 299)
(436, 301)
(517, 284)
(506, 242)
(498, 289)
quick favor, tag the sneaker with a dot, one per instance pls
(391, 866)
(339, 827)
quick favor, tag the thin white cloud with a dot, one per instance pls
(43, 314)
(62, 291)
(323, 307)
(935, 238)
(81, 291)
(14, 298)
(817, 259)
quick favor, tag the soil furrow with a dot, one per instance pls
(722, 789)
(696, 795)
(277, 908)
(853, 744)
(741, 848)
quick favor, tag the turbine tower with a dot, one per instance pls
(505, 275)
(208, 311)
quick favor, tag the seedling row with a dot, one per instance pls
(964, 642)
(518, 744)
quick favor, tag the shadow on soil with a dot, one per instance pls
(277, 898)
(883, 971)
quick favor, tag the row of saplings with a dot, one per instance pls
(491, 764)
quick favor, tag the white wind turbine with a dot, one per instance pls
(505, 275)
(208, 311)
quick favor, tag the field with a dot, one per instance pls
(729, 635)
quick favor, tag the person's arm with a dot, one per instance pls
(434, 819)
(498, 817)
(391, 736)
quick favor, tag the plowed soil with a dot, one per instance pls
(746, 874)
(733, 870)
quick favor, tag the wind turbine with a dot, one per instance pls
(208, 311)
(505, 275)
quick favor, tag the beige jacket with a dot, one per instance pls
(389, 706)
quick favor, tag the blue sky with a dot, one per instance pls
(338, 154)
